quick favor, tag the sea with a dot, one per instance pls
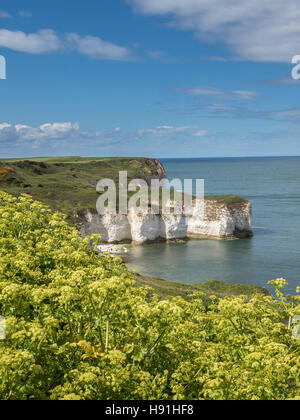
(272, 184)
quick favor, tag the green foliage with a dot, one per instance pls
(165, 288)
(68, 184)
(78, 328)
(226, 199)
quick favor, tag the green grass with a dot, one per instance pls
(226, 199)
(167, 288)
(68, 184)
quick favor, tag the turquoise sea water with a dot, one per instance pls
(273, 187)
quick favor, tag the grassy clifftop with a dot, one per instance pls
(68, 184)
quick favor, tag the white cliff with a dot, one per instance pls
(220, 221)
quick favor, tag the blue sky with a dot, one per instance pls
(161, 78)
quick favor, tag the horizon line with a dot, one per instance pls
(158, 158)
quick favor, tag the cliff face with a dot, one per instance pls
(68, 184)
(155, 170)
(221, 221)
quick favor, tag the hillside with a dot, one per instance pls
(68, 184)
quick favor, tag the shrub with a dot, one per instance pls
(78, 327)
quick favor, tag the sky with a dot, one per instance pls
(154, 78)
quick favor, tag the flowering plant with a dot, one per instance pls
(77, 327)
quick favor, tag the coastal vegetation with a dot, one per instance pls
(79, 328)
(68, 184)
(217, 288)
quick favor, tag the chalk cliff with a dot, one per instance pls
(221, 221)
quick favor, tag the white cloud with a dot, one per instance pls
(3, 126)
(218, 107)
(287, 114)
(43, 133)
(97, 48)
(4, 15)
(245, 94)
(47, 41)
(281, 81)
(218, 110)
(56, 135)
(254, 30)
(164, 131)
(47, 131)
(44, 41)
(220, 94)
(68, 135)
(201, 133)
